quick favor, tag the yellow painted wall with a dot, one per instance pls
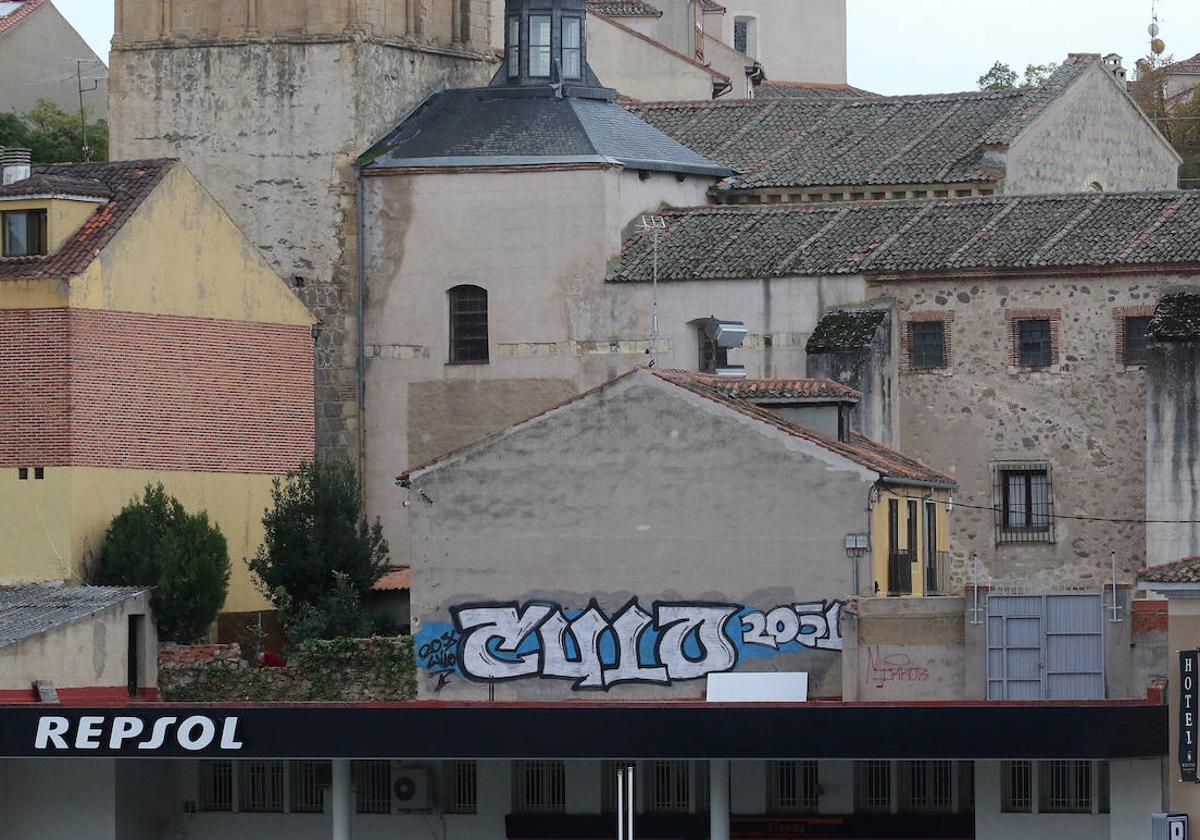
(181, 254)
(33, 294)
(63, 217)
(879, 532)
(51, 529)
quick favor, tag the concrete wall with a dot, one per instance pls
(58, 799)
(1080, 416)
(1172, 450)
(148, 805)
(1092, 133)
(30, 71)
(905, 650)
(991, 822)
(872, 371)
(642, 490)
(641, 68)
(91, 653)
(270, 124)
(798, 40)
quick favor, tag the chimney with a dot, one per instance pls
(14, 165)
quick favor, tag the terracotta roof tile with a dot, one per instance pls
(395, 580)
(127, 184)
(56, 185)
(812, 90)
(1186, 570)
(753, 390)
(10, 20)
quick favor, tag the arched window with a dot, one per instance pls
(468, 325)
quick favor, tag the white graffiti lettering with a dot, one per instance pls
(481, 626)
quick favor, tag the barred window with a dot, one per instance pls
(928, 345)
(306, 783)
(926, 786)
(1024, 503)
(468, 325)
(216, 786)
(666, 787)
(608, 783)
(260, 787)
(873, 786)
(539, 786)
(461, 787)
(372, 786)
(1065, 787)
(1136, 340)
(792, 787)
(1016, 787)
(1034, 349)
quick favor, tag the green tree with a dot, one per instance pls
(319, 556)
(1177, 117)
(53, 135)
(1003, 77)
(155, 542)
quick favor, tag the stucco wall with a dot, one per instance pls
(48, 799)
(1173, 451)
(991, 822)
(641, 69)
(905, 650)
(798, 40)
(1092, 133)
(30, 69)
(270, 127)
(1083, 417)
(641, 490)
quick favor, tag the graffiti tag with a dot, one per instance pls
(670, 642)
(439, 657)
(896, 667)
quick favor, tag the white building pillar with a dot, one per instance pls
(343, 805)
(718, 800)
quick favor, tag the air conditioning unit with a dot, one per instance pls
(411, 788)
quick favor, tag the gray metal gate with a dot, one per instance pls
(1045, 647)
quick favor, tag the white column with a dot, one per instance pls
(343, 804)
(718, 800)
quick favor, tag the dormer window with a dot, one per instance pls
(572, 52)
(514, 47)
(539, 46)
(24, 233)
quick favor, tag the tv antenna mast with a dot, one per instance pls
(654, 224)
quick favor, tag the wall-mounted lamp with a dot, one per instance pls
(857, 545)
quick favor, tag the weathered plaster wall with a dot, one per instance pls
(52, 799)
(872, 371)
(798, 40)
(642, 490)
(1092, 133)
(31, 69)
(1083, 417)
(905, 649)
(640, 69)
(1173, 451)
(271, 126)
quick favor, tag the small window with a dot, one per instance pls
(1136, 341)
(216, 786)
(539, 46)
(39, 473)
(1034, 349)
(666, 787)
(372, 786)
(741, 35)
(1026, 504)
(260, 787)
(539, 787)
(873, 786)
(468, 325)
(306, 783)
(792, 787)
(926, 786)
(23, 473)
(462, 795)
(928, 350)
(572, 51)
(24, 233)
(1065, 787)
(1016, 787)
(514, 47)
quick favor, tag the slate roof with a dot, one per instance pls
(990, 233)
(31, 609)
(811, 90)
(623, 8)
(1186, 570)
(126, 183)
(780, 141)
(774, 390)
(507, 127)
(12, 13)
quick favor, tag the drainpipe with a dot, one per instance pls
(361, 318)
(340, 790)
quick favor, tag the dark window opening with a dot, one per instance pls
(572, 48)
(1034, 348)
(741, 35)
(539, 46)
(134, 659)
(899, 580)
(1025, 509)
(468, 325)
(928, 349)
(23, 473)
(39, 473)
(1136, 341)
(713, 357)
(24, 233)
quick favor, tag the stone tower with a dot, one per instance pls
(268, 103)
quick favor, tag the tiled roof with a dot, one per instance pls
(12, 13)
(56, 185)
(623, 8)
(35, 608)
(1186, 570)
(395, 580)
(779, 141)
(845, 329)
(812, 90)
(754, 390)
(712, 7)
(127, 184)
(1187, 66)
(895, 237)
(889, 463)
(1176, 317)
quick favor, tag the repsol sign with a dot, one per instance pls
(122, 733)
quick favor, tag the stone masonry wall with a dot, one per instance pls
(271, 127)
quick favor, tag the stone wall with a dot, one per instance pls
(344, 670)
(1173, 450)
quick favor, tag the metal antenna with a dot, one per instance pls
(654, 224)
(85, 150)
(1116, 607)
(975, 601)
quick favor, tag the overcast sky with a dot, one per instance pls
(930, 46)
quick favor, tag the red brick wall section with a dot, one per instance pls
(33, 388)
(175, 393)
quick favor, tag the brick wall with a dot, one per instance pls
(155, 392)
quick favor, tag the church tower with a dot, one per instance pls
(268, 102)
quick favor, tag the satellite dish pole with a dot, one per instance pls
(654, 224)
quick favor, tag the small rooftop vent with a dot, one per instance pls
(14, 165)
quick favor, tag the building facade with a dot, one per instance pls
(38, 53)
